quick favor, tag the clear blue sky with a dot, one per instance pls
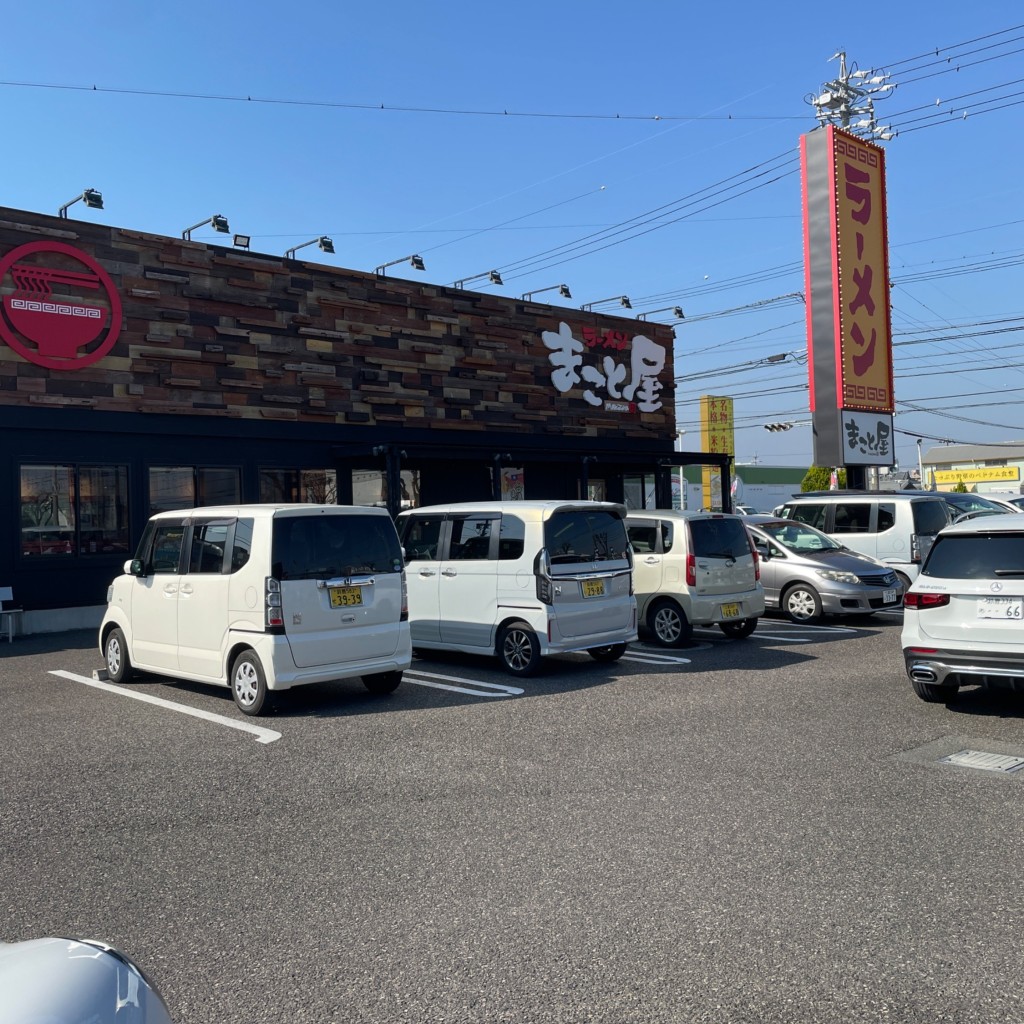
(384, 127)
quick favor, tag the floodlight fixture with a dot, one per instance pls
(563, 290)
(677, 312)
(91, 198)
(416, 262)
(217, 222)
(242, 242)
(325, 244)
(622, 300)
(492, 276)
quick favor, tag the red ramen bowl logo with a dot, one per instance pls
(59, 307)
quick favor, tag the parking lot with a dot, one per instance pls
(740, 830)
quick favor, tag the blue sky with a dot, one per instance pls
(484, 136)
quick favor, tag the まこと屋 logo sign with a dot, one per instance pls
(59, 307)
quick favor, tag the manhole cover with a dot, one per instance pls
(984, 760)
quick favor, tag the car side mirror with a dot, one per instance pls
(135, 567)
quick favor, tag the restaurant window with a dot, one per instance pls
(175, 487)
(74, 510)
(370, 487)
(290, 486)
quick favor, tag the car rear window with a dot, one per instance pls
(929, 516)
(976, 556)
(324, 546)
(585, 536)
(719, 538)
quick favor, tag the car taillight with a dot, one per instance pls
(404, 617)
(274, 605)
(912, 600)
(691, 571)
(542, 578)
(915, 548)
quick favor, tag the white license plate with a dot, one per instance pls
(730, 611)
(888, 597)
(1001, 608)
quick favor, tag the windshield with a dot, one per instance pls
(799, 537)
(976, 556)
(585, 536)
(317, 547)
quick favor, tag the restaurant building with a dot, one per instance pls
(140, 372)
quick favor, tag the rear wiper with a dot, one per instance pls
(1009, 572)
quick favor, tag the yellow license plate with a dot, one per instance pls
(730, 611)
(593, 588)
(344, 597)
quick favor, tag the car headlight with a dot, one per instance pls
(838, 576)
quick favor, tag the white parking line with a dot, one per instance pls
(262, 735)
(655, 659)
(493, 689)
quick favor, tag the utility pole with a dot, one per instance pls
(852, 94)
(920, 466)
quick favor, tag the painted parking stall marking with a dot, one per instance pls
(262, 735)
(647, 657)
(459, 685)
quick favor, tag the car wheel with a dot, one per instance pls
(738, 630)
(248, 683)
(801, 603)
(934, 693)
(608, 653)
(904, 581)
(669, 624)
(119, 665)
(519, 649)
(382, 682)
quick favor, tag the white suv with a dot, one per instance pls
(262, 598)
(963, 615)
(694, 569)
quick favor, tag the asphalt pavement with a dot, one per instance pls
(743, 830)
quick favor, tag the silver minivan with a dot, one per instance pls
(520, 579)
(262, 598)
(806, 574)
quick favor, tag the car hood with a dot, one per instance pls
(845, 561)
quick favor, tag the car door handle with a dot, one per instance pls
(186, 588)
(449, 572)
(170, 589)
(650, 560)
(427, 572)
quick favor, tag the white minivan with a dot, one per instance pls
(520, 579)
(262, 598)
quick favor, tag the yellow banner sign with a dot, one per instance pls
(983, 474)
(716, 435)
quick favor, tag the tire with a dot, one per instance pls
(934, 693)
(669, 624)
(738, 630)
(119, 664)
(904, 581)
(519, 650)
(382, 682)
(608, 653)
(800, 603)
(249, 684)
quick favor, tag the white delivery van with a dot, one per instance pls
(262, 598)
(895, 527)
(520, 579)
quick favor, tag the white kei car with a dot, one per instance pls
(963, 616)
